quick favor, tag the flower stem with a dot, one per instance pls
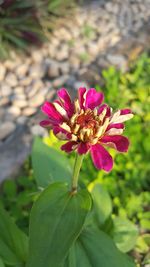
(76, 170)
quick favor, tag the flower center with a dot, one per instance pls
(85, 125)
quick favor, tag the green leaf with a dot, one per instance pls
(102, 205)
(57, 218)
(125, 234)
(94, 248)
(1, 263)
(49, 165)
(13, 242)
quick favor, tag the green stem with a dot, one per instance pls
(76, 170)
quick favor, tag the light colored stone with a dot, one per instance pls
(6, 129)
(62, 53)
(34, 88)
(38, 130)
(36, 71)
(28, 111)
(53, 70)
(19, 89)
(5, 89)
(26, 81)
(2, 72)
(37, 56)
(60, 81)
(19, 96)
(21, 70)
(22, 120)
(36, 100)
(11, 79)
(20, 103)
(64, 67)
(14, 111)
(4, 101)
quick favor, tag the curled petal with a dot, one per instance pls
(83, 148)
(101, 158)
(115, 129)
(46, 123)
(66, 101)
(125, 111)
(51, 112)
(104, 111)
(61, 133)
(69, 146)
(93, 98)
(81, 96)
(121, 116)
(119, 142)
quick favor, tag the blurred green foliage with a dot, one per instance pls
(27, 22)
(128, 184)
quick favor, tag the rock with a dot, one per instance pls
(19, 96)
(60, 81)
(62, 53)
(14, 111)
(21, 70)
(64, 67)
(2, 113)
(5, 89)
(93, 49)
(9, 64)
(6, 129)
(117, 60)
(37, 56)
(14, 151)
(4, 101)
(34, 88)
(20, 103)
(36, 100)
(38, 130)
(19, 89)
(25, 81)
(50, 95)
(11, 79)
(53, 70)
(22, 120)
(79, 84)
(36, 71)
(2, 72)
(28, 111)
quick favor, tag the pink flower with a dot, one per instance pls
(87, 125)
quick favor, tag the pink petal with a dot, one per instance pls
(119, 142)
(93, 98)
(83, 148)
(81, 93)
(115, 125)
(46, 123)
(101, 158)
(51, 112)
(102, 107)
(125, 111)
(66, 100)
(69, 146)
(61, 133)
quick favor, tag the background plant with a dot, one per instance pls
(27, 22)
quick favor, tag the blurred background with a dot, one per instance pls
(49, 44)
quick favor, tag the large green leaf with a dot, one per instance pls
(125, 234)
(102, 205)
(13, 242)
(94, 248)
(49, 165)
(1, 263)
(57, 218)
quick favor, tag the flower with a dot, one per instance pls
(87, 125)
